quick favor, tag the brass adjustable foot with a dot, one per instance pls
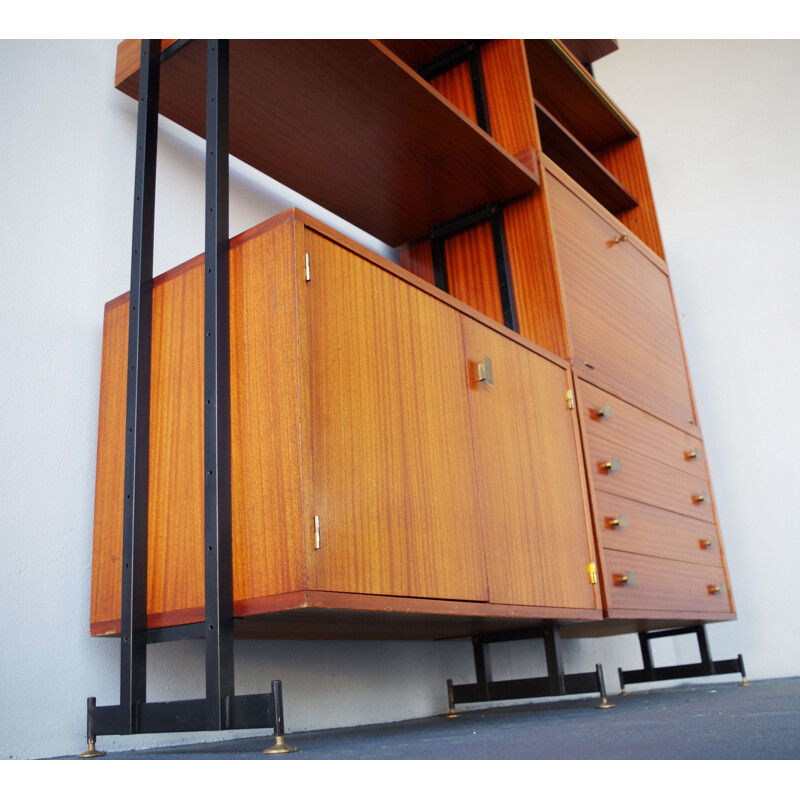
(604, 703)
(452, 714)
(744, 682)
(91, 751)
(279, 748)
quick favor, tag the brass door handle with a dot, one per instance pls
(604, 412)
(698, 498)
(627, 579)
(485, 374)
(620, 237)
(715, 589)
(707, 544)
(692, 454)
(620, 521)
(612, 465)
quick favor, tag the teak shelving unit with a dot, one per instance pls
(494, 437)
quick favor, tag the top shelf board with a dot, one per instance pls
(348, 125)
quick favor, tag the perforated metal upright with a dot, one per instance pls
(221, 708)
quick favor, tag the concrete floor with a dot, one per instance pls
(696, 721)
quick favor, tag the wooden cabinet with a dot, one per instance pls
(411, 460)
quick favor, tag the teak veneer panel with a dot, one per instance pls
(533, 499)
(619, 307)
(394, 473)
(664, 585)
(627, 425)
(655, 532)
(348, 125)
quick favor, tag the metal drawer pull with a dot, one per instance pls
(614, 465)
(715, 589)
(620, 521)
(628, 579)
(698, 498)
(604, 411)
(620, 237)
(698, 453)
(485, 374)
(707, 544)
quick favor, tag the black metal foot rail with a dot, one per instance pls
(705, 667)
(555, 684)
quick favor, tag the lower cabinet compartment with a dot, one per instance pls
(636, 582)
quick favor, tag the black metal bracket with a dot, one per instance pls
(221, 708)
(493, 214)
(555, 684)
(705, 667)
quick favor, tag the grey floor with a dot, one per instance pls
(704, 721)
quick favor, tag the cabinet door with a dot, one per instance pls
(533, 500)
(621, 316)
(392, 462)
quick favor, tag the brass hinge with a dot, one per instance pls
(570, 399)
(308, 267)
(591, 568)
(317, 543)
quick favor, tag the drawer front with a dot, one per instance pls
(620, 311)
(624, 524)
(623, 472)
(660, 584)
(608, 417)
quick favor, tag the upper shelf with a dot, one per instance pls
(571, 95)
(347, 124)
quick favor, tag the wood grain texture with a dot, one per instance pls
(472, 270)
(586, 51)
(562, 85)
(639, 431)
(655, 532)
(570, 154)
(456, 86)
(509, 98)
(534, 271)
(621, 315)
(419, 52)
(350, 126)
(626, 161)
(418, 259)
(664, 585)
(648, 481)
(536, 534)
(394, 473)
(110, 476)
(267, 527)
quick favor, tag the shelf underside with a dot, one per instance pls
(348, 125)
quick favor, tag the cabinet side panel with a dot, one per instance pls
(626, 162)
(110, 480)
(456, 86)
(265, 423)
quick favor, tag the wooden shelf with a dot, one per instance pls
(347, 124)
(561, 146)
(587, 51)
(562, 85)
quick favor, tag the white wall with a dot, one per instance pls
(722, 165)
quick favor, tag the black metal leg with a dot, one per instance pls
(133, 634)
(555, 665)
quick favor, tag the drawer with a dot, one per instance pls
(660, 584)
(620, 471)
(624, 524)
(608, 417)
(619, 309)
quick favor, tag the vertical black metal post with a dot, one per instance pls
(705, 654)
(555, 664)
(647, 654)
(218, 558)
(504, 271)
(133, 633)
(483, 669)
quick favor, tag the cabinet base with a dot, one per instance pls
(555, 684)
(705, 667)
